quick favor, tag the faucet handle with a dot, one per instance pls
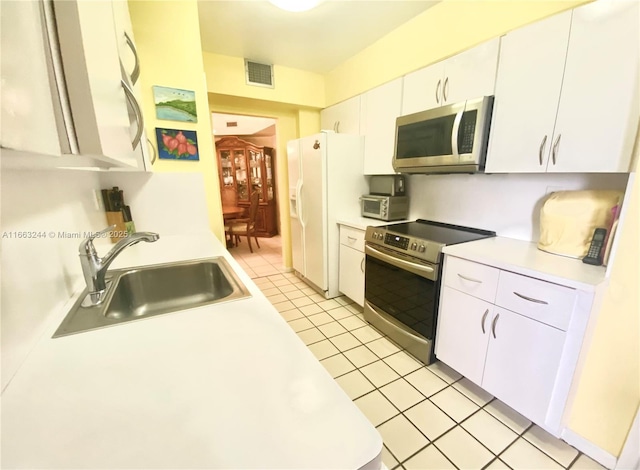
(86, 247)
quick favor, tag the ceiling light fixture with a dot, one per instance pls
(296, 5)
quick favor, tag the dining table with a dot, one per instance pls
(232, 212)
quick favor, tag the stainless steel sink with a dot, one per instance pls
(137, 293)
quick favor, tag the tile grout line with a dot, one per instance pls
(401, 376)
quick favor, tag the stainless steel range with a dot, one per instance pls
(402, 279)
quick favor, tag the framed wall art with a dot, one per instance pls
(174, 144)
(174, 104)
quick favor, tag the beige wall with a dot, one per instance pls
(173, 58)
(226, 76)
(440, 32)
(608, 392)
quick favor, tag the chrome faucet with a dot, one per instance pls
(94, 268)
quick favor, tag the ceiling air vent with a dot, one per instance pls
(258, 74)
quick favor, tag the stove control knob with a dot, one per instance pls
(422, 249)
(414, 246)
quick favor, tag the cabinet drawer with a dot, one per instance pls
(542, 301)
(472, 278)
(352, 237)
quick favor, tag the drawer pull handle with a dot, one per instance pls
(469, 278)
(362, 265)
(531, 299)
(484, 317)
(352, 239)
(493, 324)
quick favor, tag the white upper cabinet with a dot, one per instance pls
(30, 97)
(73, 97)
(131, 73)
(599, 105)
(570, 103)
(467, 75)
(343, 117)
(527, 92)
(379, 109)
(471, 74)
(422, 89)
(98, 95)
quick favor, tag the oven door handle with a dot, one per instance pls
(415, 268)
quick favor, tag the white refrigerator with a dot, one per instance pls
(325, 184)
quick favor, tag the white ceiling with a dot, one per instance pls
(247, 125)
(317, 40)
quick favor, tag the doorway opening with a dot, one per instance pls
(247, 163)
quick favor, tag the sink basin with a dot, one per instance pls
(137, 293)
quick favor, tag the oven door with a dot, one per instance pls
(401, 299)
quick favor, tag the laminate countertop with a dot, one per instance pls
(525, 258)
(222, 386)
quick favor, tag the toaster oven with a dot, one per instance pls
(384, 207)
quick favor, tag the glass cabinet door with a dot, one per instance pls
(269, 176)
(255, 165)
(241, 174)
(226, 166)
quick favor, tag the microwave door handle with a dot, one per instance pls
(454, 133)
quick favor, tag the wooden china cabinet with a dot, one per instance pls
(245, 168)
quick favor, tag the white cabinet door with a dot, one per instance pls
(352, 274)
(93, 74)
(128, 55)
(598, 111)
(522, 362)
(343, 117)
(422, 89)
(472, 73)
(527, 92)
(463, 333)
(32, 116)
(379, 109)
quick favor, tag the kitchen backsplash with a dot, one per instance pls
(44, 215)
(509, 204)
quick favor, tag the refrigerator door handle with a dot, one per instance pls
(299, 203)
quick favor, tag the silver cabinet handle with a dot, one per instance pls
(338, 127)
(444, 89)
(438, 91)
(469, 278)
(155, 154)
(530, 299)
(351, 238)
(138, 112)
(484, 317)
(362, 264)
(136, 69)
(493, 324)
(554, 152)
(541, 151)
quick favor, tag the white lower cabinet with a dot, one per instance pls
(516, 355)
(351, 274)
(463, 321)
(522, 362)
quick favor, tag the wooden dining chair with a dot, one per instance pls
(247, 226)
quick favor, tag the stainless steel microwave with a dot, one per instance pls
(448, 139)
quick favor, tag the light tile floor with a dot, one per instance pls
(428, 416)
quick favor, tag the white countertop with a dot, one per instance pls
(525, 258)
(223, 386)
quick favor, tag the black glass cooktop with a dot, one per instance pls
(446, 234)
